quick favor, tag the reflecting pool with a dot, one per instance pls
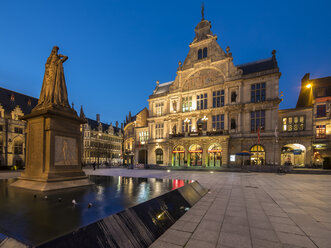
(35, 217)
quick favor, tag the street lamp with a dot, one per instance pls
(99, 136)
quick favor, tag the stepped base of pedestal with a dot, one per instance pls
(37, 185)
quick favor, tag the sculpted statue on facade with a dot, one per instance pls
(54, 89)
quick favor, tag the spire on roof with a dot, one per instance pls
(81, 114)
(202, 11)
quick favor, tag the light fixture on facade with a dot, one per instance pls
(204, 118)
(187, 120)
(308, 86)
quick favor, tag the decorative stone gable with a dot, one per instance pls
(203, 78)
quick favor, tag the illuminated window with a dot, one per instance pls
(258, 92)
(187, 104)
(218, 98)
(202, 101)
(320, 132)
(218, 122)
(257, 120)
(258, 155)
(143, 136)
(294, 123)
(159, 130)
(284, 124)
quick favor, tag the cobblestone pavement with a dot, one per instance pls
(249, 210)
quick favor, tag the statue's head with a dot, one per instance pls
(55, 49)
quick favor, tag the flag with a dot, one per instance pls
(258, 135)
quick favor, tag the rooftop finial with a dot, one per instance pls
(202, 11)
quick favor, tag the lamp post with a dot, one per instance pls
(99, 136)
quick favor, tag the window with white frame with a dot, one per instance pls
(218, 122)
(159, 108)
(159, 130)
(187, 104)
(143, 137)
(202, 101)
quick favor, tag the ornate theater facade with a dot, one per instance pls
(215, 112)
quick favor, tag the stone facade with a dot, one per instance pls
(135, 138)
(102, 143)
(205, 114)
(13, 105)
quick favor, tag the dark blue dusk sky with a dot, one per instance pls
(118, 49)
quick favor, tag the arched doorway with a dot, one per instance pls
(293, 154)
(195, 158)
(258, 155)
(178, 155)
(159, 156)
(142, 157)
(215, 155)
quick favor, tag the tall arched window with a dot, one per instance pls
(205, 52)
(258, 155)
(200, 54)
(159, 156)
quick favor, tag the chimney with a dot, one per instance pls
(116, 124)
(98, 117)
(121, 125)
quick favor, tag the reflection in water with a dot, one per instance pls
(35, 220)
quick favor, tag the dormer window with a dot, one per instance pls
(205, 53)
(12, 97)
(202, 53)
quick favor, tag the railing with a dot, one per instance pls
(199, 133)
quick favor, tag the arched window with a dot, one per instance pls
(258, 155)
(205, 52)
(159, 156)
(200, 54)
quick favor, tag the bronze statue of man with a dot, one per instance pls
(54, 89)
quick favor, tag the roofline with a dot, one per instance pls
(19, 93)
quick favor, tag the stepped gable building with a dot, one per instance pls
(136, 138)
(316, 94)
(214, 109)
(13, 105)
(102, 143)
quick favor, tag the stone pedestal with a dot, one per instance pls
(53, 150)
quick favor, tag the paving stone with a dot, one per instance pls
(264, 234)
(235, 240)
(293, 239)
(206, 235)
(195, 243)
(186, 226)
(281, 220)
(162, 244)
(175, 237)
(239, 229)
(287, 228)
(262, 243)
